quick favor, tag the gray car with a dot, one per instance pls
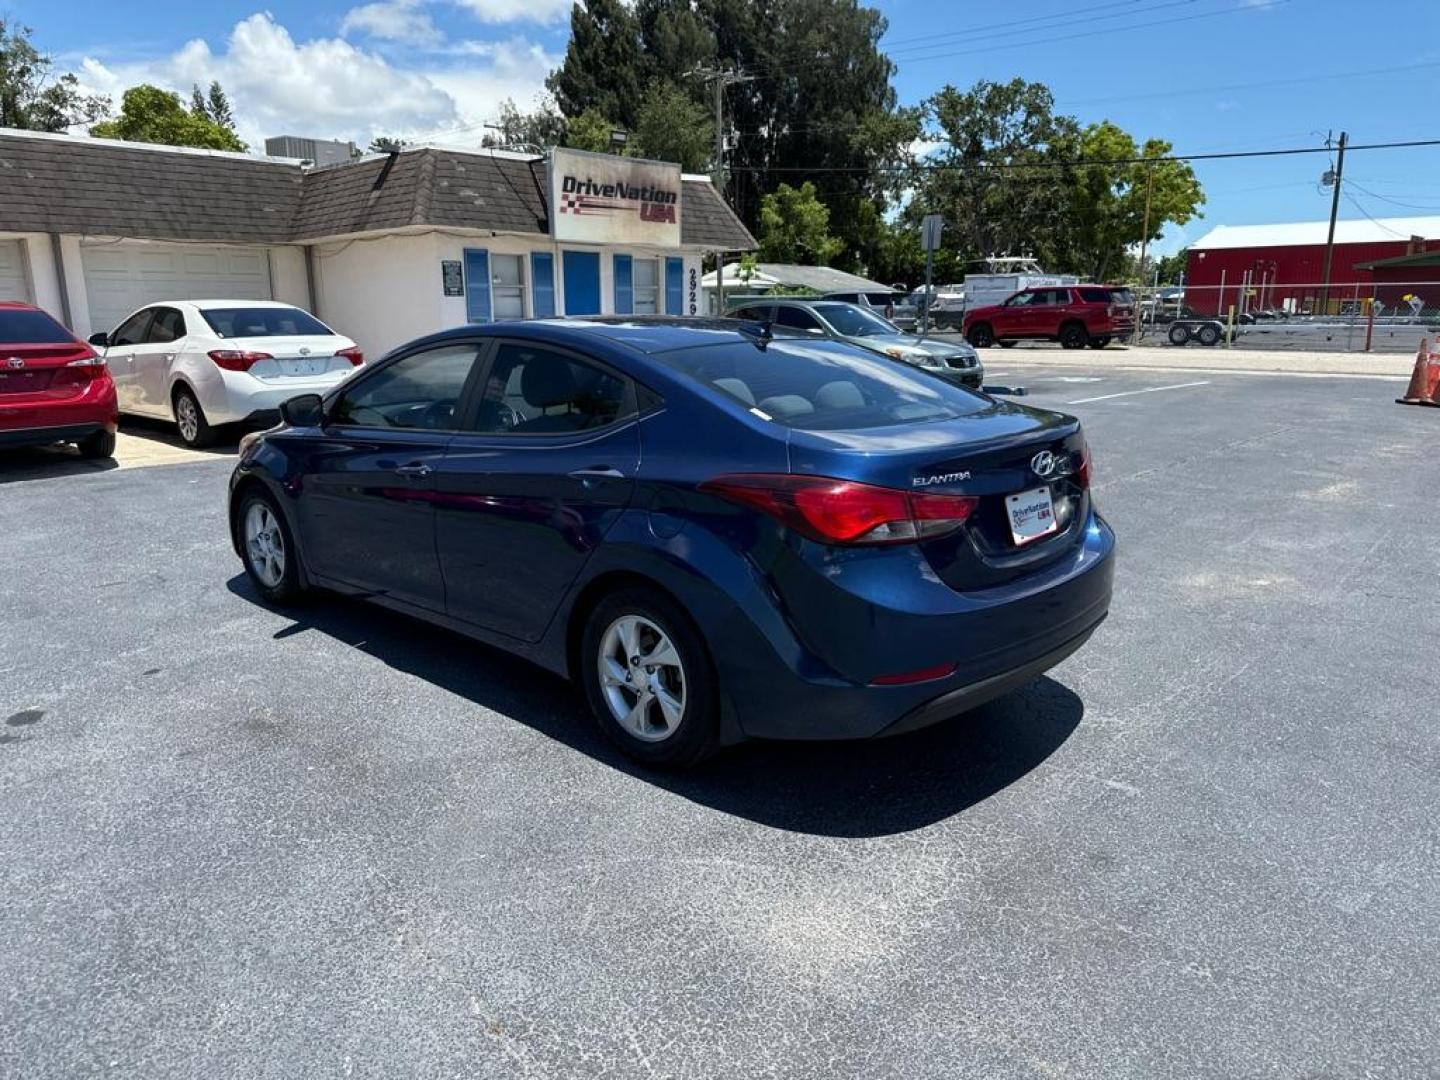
(954, 362)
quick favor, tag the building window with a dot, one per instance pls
(646, 280)
(507, 286)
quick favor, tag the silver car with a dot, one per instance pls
(953, 361)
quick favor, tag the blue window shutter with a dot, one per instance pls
(624, 285)
(675, 286)
(477, 285)
(542, 274)
(582, 282)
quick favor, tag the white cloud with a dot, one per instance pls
(507, 11)
(330, 88)
(393, 20)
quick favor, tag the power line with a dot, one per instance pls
(1016, 29)
(1081, 162)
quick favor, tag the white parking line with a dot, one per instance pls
(1147, 390)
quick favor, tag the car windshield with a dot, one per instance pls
(243, 322)
(851, 321)
(823, 385)
(21, 327)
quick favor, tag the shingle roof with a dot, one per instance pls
(94, 186)
(1310, 233)
(64, 185)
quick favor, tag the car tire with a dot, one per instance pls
(267, 547)
(195, 430)
(980, 335)
(1179, 334)
(629, 698)
(1208, 335)
(1099, 342)
(1074, 336)
(97, 445)
(1006, 343)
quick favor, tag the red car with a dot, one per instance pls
(53, 388)
(1074, 315)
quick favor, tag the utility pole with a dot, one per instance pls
(1334, 212)
(719, 79)
(1144, 244)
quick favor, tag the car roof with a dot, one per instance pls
(213, 303)
(643, 333)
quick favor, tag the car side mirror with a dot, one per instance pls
(306, 410)
(99, 340)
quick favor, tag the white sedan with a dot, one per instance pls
(203, 363)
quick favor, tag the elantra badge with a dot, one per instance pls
(1048, 466)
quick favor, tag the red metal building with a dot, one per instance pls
(1282, 266)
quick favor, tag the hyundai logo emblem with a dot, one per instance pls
(15, 363)
(1047, 465)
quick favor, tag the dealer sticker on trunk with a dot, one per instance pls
(1032, 515)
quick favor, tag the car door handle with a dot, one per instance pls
(597, 472)
(417, 469)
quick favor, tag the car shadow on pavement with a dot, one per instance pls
(45, 462)
(856, 789)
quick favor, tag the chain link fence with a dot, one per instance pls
(1342, 317)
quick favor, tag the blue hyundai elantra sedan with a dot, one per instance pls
(719, 533)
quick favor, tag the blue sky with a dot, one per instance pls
(1208, 75)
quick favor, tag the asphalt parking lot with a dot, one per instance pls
(331, 842)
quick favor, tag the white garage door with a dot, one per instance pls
(126, 274)
(14, 282)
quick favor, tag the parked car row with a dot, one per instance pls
(198, 363)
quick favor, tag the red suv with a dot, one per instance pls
(53, 388)
(1074, 315)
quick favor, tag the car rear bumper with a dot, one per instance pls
(36, 419)
(995, 643)
(246, 399)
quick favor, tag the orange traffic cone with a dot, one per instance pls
(1424, 388)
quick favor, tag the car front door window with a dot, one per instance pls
(419, 392)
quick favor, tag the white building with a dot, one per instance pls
(383, 249)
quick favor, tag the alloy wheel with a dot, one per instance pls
(187, 417)
(264, 544)
(642, 678)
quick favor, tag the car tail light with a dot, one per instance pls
(237, 359)
(843, 511)
(353, 354)
(83, 369)
(1082, 472)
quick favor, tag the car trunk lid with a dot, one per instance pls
(42, 368)
(297, 356)
(992, 455)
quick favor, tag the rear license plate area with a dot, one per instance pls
(1031, 515)
(302, 367)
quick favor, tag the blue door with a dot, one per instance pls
(477, 285)
(675, 287)
(582, 282)
(542, 289)
(624, 273)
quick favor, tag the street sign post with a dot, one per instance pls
(930, 230)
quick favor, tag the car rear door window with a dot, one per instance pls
(531, 390)
(421, 391)
(167, 326)
(132, 330)
(1095, 296)
(760, 313)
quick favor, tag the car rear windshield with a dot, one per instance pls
(823, 385)
(1095, 296)
(21, 327)
(1122, 296)
(851, 321)
(243, 322)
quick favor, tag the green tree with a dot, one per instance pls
(671, 126)
(537, 130)
(591, 130)
(1106, 209)
(795, 227)
(29, 98)
(150, 114)
(816, 77)
(1172, 267)
(385, 144)
(214, 106)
